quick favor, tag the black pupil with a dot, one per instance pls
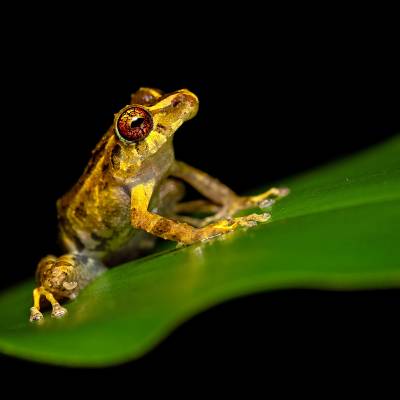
(136, 123)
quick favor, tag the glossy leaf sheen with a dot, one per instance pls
(338, 229)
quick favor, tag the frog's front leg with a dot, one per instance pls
(62, 278)
(157, 225)
(221, 194)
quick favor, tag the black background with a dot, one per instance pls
(273, 103)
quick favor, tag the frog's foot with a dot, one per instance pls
(58, 311)
(252, 219)
(229, 225)
(36, 315)
(246, 221)
(263, 201)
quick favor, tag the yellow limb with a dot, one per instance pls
(169, 229)
(36, 298)
(36, 315)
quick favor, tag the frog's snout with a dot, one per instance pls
(186, 102)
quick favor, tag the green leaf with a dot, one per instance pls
(338, 229)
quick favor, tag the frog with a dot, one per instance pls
(132, 192)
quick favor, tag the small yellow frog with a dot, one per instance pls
(130, 192)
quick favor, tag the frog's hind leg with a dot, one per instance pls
(239, 203)
(58, 310)
(169, 198)
(197, 206)
(202, 206)
(218, 193)
(62, 278)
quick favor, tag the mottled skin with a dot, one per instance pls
(130, 192)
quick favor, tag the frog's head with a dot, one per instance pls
(153, 118)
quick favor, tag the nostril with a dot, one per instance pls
(176, 102)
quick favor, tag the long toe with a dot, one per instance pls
(284, 191)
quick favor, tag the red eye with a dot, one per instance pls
(134, 124)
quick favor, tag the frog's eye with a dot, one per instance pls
(134, 124)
